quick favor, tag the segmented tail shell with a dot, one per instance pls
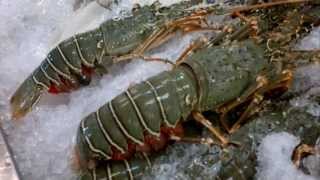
(144, 115)
(71, 63)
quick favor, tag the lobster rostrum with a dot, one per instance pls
(72, 63)
(214, 77)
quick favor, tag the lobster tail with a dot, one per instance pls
(71, 64)
(68, 66)
(125, 125)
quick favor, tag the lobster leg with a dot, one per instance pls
(146, 58)
(301, 151)
(193, 46)
(188, 24)
(254, 96)
(224, 109)
(251, 25)
(201, 119)
(199, 43)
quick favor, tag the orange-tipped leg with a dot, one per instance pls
(147, 58)
(302, 151)
(201, 119)
(251, 27)
(194, 22)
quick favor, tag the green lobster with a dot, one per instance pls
(72, 62)
(151, 113)
(221, 77)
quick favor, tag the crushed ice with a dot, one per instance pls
(42, 143)
(274, 158)
(311, 42)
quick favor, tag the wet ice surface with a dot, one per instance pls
(43, 141)
(274, 158)
(312, 41)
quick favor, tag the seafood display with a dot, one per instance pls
(221, 82)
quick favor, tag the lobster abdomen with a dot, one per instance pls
(140, 119)
(72, 62)
(68, 66)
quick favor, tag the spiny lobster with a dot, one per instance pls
(219, 76)
(237, 162)
(72, 63)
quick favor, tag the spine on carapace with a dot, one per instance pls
(140, 119)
